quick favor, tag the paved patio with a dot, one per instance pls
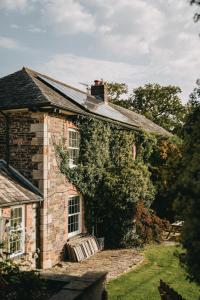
(115, 262)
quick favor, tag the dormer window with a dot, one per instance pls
(73, 146)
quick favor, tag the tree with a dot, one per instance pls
(116, 91)
(165, 162)
(196, 15)
(188, 202)
(193, 102)
(161, 104)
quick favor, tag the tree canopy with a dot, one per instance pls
(196, 15)
(188, 203)
(161, 104)
(116, 91)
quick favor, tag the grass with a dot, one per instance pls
(142, 283)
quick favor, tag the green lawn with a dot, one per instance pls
(142, 283)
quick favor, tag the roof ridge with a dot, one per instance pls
(27, 71)
(53, 79)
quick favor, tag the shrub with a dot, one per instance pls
(19, 285)
(149, 227)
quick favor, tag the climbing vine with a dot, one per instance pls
(111, 181)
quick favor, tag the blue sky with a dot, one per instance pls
(131, 41)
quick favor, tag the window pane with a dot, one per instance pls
(16, 231)
(73, 223)
(73, 139)
(73, 146)
(73, 155)
(73, 214)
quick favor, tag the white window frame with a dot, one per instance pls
(23, 232)
(71, 163)
(134, 151)
(71, 234)
(1, 230)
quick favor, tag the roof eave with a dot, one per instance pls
(21, 202)
(86, 113)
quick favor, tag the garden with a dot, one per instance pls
(161, 262)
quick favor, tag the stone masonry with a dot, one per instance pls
(33, 136)
(56, 191)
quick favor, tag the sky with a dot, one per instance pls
(131, 41)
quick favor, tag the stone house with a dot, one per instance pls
(39, 208)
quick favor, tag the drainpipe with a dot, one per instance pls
(7, 138)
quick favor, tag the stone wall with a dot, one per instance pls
(90, 286)
(2, 138)
(25, 141)
(33, 136)
(54, 228)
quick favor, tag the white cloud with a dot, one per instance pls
(14, 26)
(13, 4)
(9, 43)
(73, 69)
(134, 41)
(68, 16)
(34, 29)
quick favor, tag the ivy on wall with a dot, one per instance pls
(108, 177)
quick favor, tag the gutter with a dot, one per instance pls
(18, 202)
(24, 182)
(7, 119)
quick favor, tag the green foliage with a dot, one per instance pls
(161, 104)
(193, 102)
(188, 203)
(19, 285)
(116, 91)
(142, 282)
(166, 163)
(16, 284)
(111, 181)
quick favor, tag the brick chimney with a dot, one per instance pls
(99, 90)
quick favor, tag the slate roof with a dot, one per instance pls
(27, 88)
(14, 188)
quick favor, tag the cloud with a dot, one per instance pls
(34, 29)
(68, 16)
(14, 26)
(73, 69)
(9, 43)
(13, 4)
(136, 41)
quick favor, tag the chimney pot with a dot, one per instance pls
(96, 82)
(99, 90)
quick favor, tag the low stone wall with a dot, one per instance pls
(90, 286)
